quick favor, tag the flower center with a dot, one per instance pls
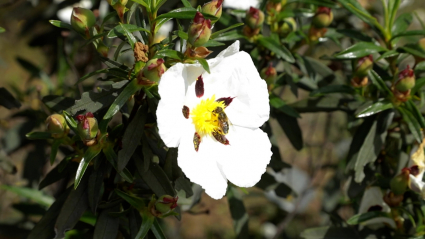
(205, 118)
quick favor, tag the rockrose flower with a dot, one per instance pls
(214, 120)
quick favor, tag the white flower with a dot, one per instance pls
(373, 201)
(244, 153)
(417, 169)
(241, 4)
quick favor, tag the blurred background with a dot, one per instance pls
(38, 59)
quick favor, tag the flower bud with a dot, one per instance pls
(214, 8)
(197, 52)
(400, 182)
(154, 69)
(315, 33)
(56, 125)
(254, 18)
(199, 30)
(102, 49)
(269, 74)
(406, 80)
(273, 7)
(421, 43)
(165, 204)
(82, 20)
(87, 128)
(323, 17)
(119, 6)
(364, 65)
(289, 25)
(393, 200)
(359, 81)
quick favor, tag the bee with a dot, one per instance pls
(196, 141)
(223, 121)
(220, 138)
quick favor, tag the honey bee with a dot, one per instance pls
(223, 121)
(220, 138)
(196, 141)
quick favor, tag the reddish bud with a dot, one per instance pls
(199, 31)
(323, 17)
(254, 18)
(406, 80)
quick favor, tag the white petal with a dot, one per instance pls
(170, 117)
(201, 167)
(247, 156)
(236, 76)
(373, 196)
(416, 184)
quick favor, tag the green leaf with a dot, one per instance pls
(94, 101)
(409, 33)
(212, 43)
(412, 48)
(279, 104)
(204, 64)
(229, 36)
(330, 233)
(358, 35)
(277, 48)
(359, 218)
(7, 100)
(378, 82)
(134, 201)
(183, 184)
(70, 121)
(184, 13)
(2, 30)
(60, 24)
(169, 53)
(147, 222)
(291, 128)
(130, 37)
(38, 135)
(124, 29)
(374, 108)
(95, 186)
(387, 54)
(157, 181)
(89, 155)
(157, 231)
(333, 89)
(418, 85)
(106, 225)
(45, 227)
(186, 3)
(358, 50)
(237, 210)
(110, 63)
(110, 71)
(217, 33)
(112, 158)
(72, 210)
(54, 150)
(57, 173)
(415, 111)
(30, 193)
(132, 136)
(401, 24)
(412, 123)
(58, 103)
(367, 143)
(354, 7)
(143, 3)
(122, 98)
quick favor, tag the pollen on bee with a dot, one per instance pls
(203, 117)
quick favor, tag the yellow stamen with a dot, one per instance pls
(202, 117)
